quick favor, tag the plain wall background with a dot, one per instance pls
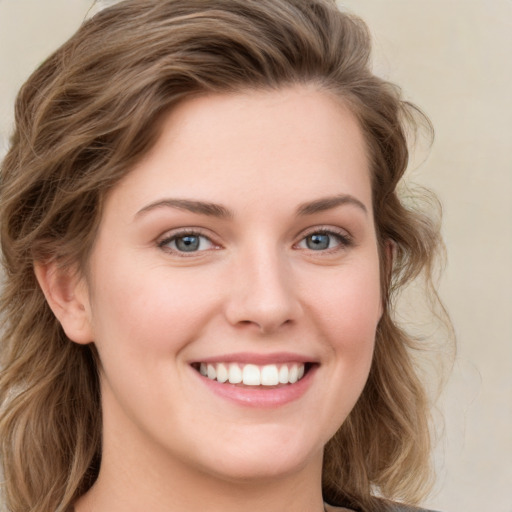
(452, 58)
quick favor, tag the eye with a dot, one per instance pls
(324, 240)
(186, 242)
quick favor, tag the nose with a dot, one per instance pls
(262, 294)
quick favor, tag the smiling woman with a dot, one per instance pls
(202, 238)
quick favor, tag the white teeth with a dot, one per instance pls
(293, 375)
(222, 373)
(212, 373)
(235, 374)
(253, 375)
(270, 375)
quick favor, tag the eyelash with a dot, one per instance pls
(345, 241)
(183, 233)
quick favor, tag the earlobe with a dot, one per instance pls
(67, 295)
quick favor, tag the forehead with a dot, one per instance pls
(289, 143)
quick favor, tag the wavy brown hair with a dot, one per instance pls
(84, 119)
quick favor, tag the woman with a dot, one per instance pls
(202, 237)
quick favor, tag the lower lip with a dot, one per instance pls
(261, 396)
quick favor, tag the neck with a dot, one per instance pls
(291, 494)
(131, 480)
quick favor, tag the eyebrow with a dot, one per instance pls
(219, 211)
(328, 203)
(201, 207)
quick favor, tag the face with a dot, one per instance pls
(233, 293)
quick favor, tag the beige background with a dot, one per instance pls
(453, 58)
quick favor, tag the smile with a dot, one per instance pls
(265, 381)
(252, 374)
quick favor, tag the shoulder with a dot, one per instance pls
(398, 507)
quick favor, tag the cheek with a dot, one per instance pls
(143, 308)
(349, 306)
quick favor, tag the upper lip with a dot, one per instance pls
(257, 358)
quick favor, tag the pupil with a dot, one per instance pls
(187, 243)
(318, 242)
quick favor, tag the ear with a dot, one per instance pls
(67, 295)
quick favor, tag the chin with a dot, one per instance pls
(264, 457)
(260, 469)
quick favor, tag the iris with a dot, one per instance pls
(318, 241)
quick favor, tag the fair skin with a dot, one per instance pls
(244, 239)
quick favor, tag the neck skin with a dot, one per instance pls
(178, 494)
(135, 477)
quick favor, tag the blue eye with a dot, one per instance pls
(318, 241)
(186, 243)
(323, 240)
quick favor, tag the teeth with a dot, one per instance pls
(293, 375)
(235, 374)
(253, 375)
(211, 372)
(222, 373)
(283, 374)
(270, 375)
